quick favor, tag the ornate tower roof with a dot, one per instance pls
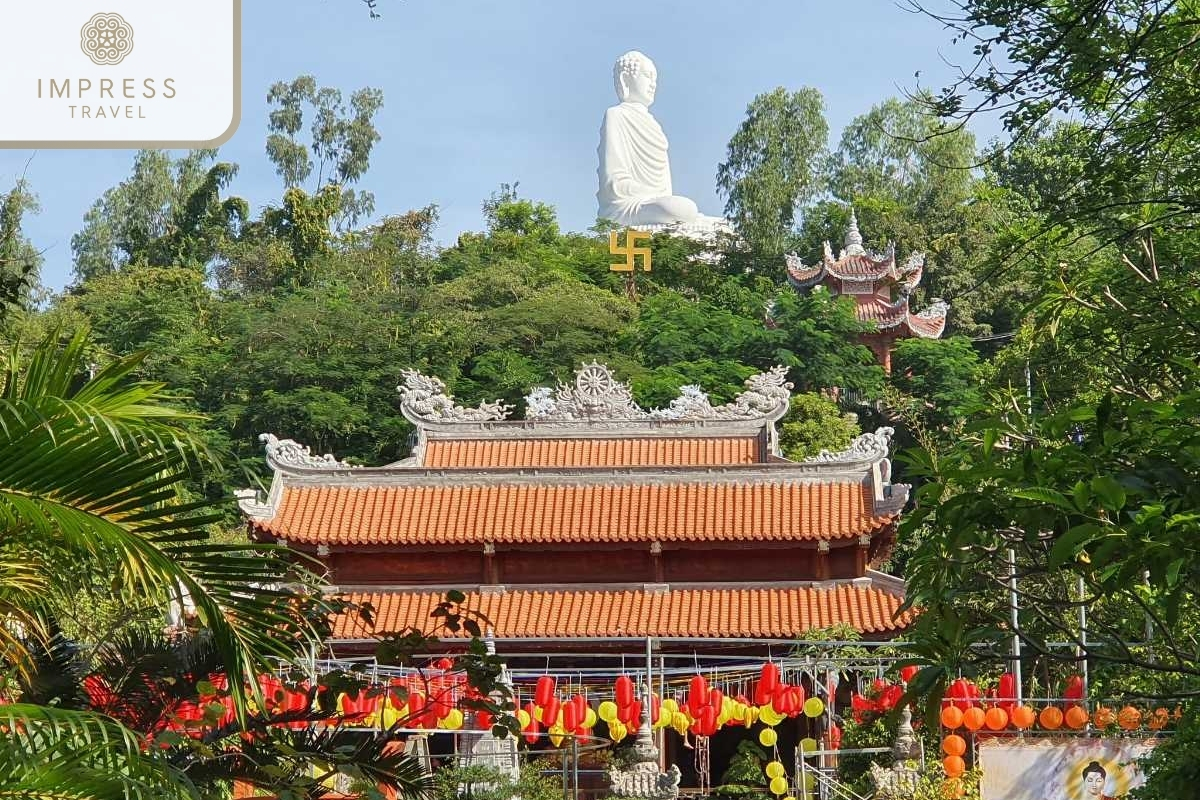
(881, 288)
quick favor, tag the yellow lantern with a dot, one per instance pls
(814, 707)
(556, 735)
(767, 737)
(523, 718)
(779, 786)
(453, 720)
(608, 711)
(768, 715)
(589, 719)
(391, 715)
(808, 745)
(617, 730)
(775, 769)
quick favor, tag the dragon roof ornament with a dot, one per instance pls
(866, 447)
(425, 397)
(937, 310)
(596, 394)
(290, 453)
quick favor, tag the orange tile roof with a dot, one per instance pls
(717, 612)
(632, 452)
(541, 513)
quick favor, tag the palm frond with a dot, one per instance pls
(53, 753)
(94, 468)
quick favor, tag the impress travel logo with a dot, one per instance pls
(133, 73)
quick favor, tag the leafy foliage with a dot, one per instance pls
(774, 165)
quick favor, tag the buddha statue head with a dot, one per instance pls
(635, 78)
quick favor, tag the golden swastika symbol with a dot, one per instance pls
(631, 251)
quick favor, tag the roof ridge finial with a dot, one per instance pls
(854, 239)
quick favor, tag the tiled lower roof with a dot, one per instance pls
(449, 514)
(782, 612)
(591, 452)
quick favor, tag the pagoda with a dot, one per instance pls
(594, 521)
(881, 291)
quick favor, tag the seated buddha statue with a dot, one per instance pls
(635, 171)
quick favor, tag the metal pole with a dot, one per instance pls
(1014, 606)
(575, 766)
(1081, 651)
(1029, 394)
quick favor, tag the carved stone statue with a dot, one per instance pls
(635, 171)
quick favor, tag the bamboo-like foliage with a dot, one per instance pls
(52, 754)
(91, 472)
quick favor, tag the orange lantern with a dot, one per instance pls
(996, 719)
(1023, 717)
(954, 745)
(1104, 717)
(1160, 719)
(1076, 718)
(952, 717)
(1051, 718)
(1129, 718)
(953, 789)
(973, 718)
(954, 766)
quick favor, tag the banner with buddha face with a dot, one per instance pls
(1061, 768)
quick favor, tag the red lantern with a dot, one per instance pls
(655, 709)
(544, 690)
(570, 715)
(484, 720)
(550, 710)
(697, 695)
(761, 695)
(531, 730)
(835, 738)
(1006, 692)
(769, 678)
(707, 721)
(961, 693)
(1074, 690)
(715, 699)
(890, 696)
(861, 706)
(623, 690)
(909, 672)
(357, 707)
(581, 706)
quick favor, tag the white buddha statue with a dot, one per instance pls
(635, 172)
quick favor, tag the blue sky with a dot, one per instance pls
(479, 93)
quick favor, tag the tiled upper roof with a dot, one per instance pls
(783, 612)
(514, 512)
(592, 452)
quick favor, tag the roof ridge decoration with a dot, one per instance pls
(290, 453)
(871, 446)
(598, 395)
(425, 397)
(853, 244)
(937, 310)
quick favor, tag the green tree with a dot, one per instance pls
(20, 262)
(169, 212)
(774, 164)
(1138, 137)
(338, 147)
(939, 379)
(815, 423)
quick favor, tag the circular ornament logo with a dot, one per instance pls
(106, 39)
